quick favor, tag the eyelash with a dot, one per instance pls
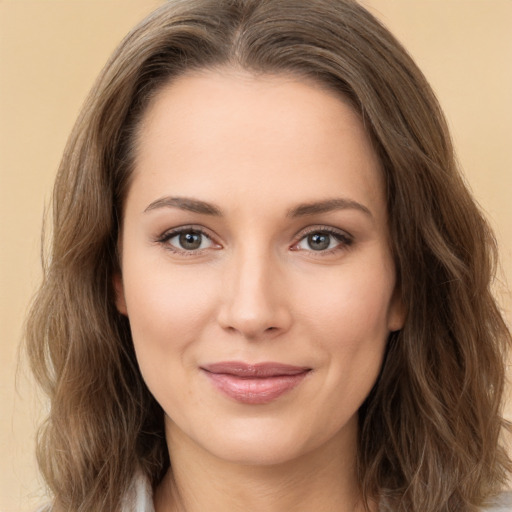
(344, 240)
(168, 235)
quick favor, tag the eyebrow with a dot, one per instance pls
(185, 203)
(301, 210)
(328, 205)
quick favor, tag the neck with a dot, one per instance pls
(317, 480)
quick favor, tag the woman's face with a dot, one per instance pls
(256, 269)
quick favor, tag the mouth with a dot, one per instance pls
(259, 383)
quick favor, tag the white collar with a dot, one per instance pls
(139, 497)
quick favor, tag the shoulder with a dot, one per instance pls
(501, 503)
(138, 498)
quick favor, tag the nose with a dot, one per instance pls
(254, 303)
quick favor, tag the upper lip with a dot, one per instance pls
(257, 370)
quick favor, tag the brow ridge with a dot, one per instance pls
(301, 210)
(185, 203)
(328, 205)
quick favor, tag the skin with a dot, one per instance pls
(261, 149)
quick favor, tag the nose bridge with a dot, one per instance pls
(254, 302)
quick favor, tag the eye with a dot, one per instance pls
(323, 240)
(186, 240)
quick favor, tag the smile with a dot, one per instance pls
(254, 384)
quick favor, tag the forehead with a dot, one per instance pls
(276, 136)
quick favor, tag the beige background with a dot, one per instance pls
(50, 52)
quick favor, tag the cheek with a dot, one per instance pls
(167, 309)
(168, 312)
(351, 304)
(347, 319)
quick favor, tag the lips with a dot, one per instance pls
(254, 384)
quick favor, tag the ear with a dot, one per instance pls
(397, 312)
(119, 291)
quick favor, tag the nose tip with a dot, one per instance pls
(250, 328)
(254, 305)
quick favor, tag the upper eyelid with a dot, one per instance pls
(321, 228)
(303, 231)
(169, 233)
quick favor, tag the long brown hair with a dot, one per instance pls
(430, 429)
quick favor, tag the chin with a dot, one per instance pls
(261, 452)
(266, 443)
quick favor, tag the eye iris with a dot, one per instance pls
(190, 240)
(319, 241)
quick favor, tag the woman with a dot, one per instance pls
(268, 287)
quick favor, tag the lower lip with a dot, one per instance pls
(255, 390)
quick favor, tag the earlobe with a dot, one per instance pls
(397, 312)
(119, 291)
